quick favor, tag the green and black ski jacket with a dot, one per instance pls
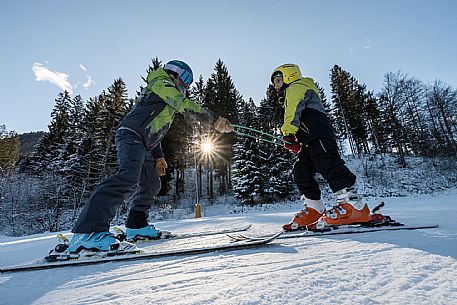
(155, 109)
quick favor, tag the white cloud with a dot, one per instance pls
(361, 47)
(57, 78)
(88, 83)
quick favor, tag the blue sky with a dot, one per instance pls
(84, 45)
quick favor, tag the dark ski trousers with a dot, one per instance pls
(136, 168)
(321, 156)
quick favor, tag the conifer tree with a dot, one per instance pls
(90, 168)
(95, 155)
(109, 109)
(73, 138)
(9, 151)
(76, 168)
(275, 161)
(358, 117)
(341, 96)
(327, 106)
(350, 112)
(375, 124)
(201, 133)
(47, 153)
(247, 180)
(221, 96)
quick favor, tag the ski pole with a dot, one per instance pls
(259, 132)
(255, 137)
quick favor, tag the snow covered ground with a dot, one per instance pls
(397, 267)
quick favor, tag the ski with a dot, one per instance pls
(131, 256)
(60, 254)
(353, 230)
(331, 231)
(120, 234)
(242, 237)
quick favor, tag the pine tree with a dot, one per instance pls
(9, 151)
(375, 124)
(221, 96)
(75, 168)
(358, 122)
(89, 165)
(341, 95)
(247, 180)
(350, 113)
(275, 162)
(47, 155)
(327, 106)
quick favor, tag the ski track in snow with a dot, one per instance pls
(398, 267)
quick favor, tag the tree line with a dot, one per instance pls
(406, 117)
(51, 184)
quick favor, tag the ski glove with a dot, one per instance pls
(161, 166)
(223, 125)
(293, 145)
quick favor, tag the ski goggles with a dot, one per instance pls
(184, 75)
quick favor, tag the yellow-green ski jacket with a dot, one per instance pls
(155, 109)
(304, 113)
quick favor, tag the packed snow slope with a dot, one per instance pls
(396, 267)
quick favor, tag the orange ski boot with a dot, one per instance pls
(311, 213)
(350, 210)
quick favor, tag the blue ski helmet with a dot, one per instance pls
(182, 69)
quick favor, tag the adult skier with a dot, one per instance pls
(140, 159)
(311, 136)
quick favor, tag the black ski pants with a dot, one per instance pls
(136, 169)
(321, 156)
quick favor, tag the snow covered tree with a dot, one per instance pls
(97, 150)
(247, 179)
(75, 166)
(275, 161)
(46, 156)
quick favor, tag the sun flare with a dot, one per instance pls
(207, 147)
